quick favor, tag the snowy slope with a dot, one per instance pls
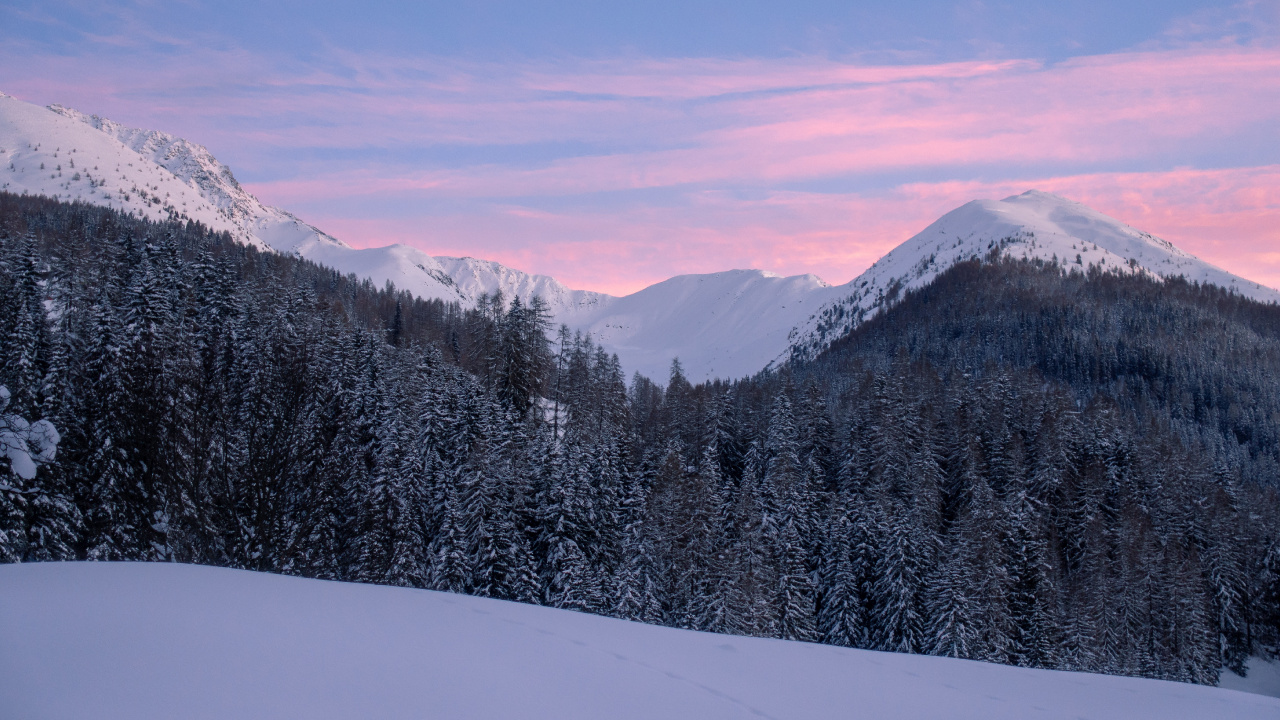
(141, 641)
(43, 152)
(1263, 678)
(1031, 225)
(155, 175)
(474, 278)
(728, 324)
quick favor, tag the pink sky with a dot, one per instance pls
(742, 162)
(614, 174)
(1228, 217)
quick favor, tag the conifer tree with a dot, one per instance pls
(841, 616)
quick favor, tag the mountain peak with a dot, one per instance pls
(70, 155)
(1034, 225)
(1041, 195)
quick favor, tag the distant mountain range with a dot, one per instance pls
(727, 324)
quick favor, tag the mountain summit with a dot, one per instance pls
(726, 324)
(1032, 226)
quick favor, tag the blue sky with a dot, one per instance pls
(917, 31)
(613, 144)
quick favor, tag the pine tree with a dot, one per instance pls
(753, 603)
(113, 515)
(841, 615)
(796, 591)
(955, 628)
(26, 349)
(898, 618)
(638, 595)
(566, 510)
(13, 501)
(450, 564)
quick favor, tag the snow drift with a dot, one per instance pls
(138, 641)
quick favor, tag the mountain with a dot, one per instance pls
(68, 155)
(141, 641)
(1032, 226)
(712, 322)
(727, 324)
(155, 175)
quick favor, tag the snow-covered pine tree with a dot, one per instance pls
(636, 592)
(566, 511)
(112, 513)
(753, 607)
(841, 615)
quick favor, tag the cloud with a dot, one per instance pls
(1228, 217)
(829, 122)
(611, 174)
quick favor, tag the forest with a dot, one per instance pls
(1017, 464)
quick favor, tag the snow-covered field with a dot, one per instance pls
(140, 641)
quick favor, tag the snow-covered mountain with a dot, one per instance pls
(727, 324)
(722, 324)
(1033, 225)
(66, 154)
(161, 640)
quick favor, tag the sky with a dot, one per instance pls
(615, 144)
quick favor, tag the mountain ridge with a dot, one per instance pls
(728, 324)
(1034, 225)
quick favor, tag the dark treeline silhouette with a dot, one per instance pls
(1014, 464)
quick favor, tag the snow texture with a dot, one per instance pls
(140, 641)
(25, 444)
(1263, 678)
(727, 324)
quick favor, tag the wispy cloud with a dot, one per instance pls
(1230, 217)
(614, 173)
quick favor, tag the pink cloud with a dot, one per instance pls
(1228, 217)
(799, 116)
(1113, 110)
(728, 141)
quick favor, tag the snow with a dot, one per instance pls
(1033, 225)
(139, 641)
(474, 277)
(1263, 678)
(105, 172)
(25, 444)
(727, 324)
